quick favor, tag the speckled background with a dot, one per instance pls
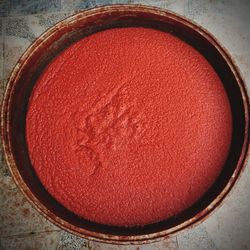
(21, 227)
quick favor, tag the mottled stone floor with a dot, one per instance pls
(21, 227)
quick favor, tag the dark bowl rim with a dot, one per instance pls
(102, 237)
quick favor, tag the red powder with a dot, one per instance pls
(128, 126)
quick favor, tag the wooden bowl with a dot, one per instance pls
(70, 30)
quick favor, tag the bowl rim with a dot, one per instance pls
(103, 237)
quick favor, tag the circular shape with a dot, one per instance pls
(64, 34)
(114, 129)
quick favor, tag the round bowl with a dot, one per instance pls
(62, 35)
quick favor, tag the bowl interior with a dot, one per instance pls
(71, 30)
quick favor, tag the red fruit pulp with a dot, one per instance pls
(128, 126)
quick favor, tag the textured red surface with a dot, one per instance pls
(128, 126)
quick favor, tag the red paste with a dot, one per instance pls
(128, 126)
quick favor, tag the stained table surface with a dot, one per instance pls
(21, 226)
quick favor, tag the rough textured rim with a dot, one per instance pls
(101, 237)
